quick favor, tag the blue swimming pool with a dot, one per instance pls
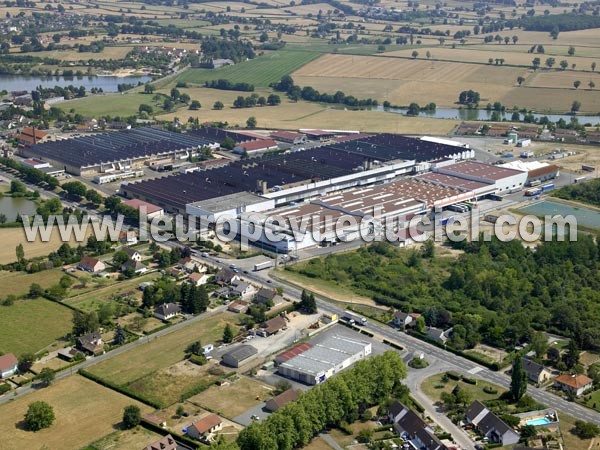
(538, 422)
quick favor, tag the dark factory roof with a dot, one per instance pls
(116, 146)
(220, 135)
(321, 163)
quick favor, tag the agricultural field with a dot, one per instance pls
(162, 353)
(32, 325)
(136, 438)
(260, 72)
(111, 104)
(233, 398)
(84, 410)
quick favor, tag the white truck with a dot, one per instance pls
(264, 265)
(353, 318)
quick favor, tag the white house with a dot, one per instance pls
(198, 279)
(8, 365)
(242, 289)
(205, 427)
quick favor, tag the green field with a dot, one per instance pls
(260, 72)
(161, 353)
(113, 104)
(17, 283)
(31, 325)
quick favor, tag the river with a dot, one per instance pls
(483, 114)
(12, 206)
(30, 83)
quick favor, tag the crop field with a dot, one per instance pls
(84, 410)
(32, 325)
(162, 353)
(260, 71)
(552, 100)
(232, 399)
(412, 80)
(564, 80)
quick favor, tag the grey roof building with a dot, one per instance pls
(411, 427)
(238, 355)
(489, 425)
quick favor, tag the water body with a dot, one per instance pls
(11, 207)
(586, 217)
(29, 83)
(482, 114)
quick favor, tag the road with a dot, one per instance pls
(117, 351)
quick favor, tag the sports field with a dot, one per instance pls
(84, 410)
(32, 325)
(260, 71)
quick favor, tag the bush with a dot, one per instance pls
(490, 390)
(453, 375)
(418, 363)
(469, 380)
(4, 387)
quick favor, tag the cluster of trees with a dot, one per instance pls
(469, 98)
(236, 50)
(116, 207)
(560, 22)
(77, 190)
(255, 100)
(497, 292)
(227, 85)
(295, 93)
(67, 92)
(584, 192)
(193, 299)
(414, 109)
(340, 399)
(308, 303)
(33, 176)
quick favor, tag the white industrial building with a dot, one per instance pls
(325, 359)
(504, 180)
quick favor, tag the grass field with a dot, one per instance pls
(31, 325)
(260, 72)
(17, 283)
(111, 104)
(84, 410)
(231, 400)
(136, 438)
(162, 353)
(432, 388)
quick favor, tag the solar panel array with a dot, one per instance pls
(319, 163)
(116, 146)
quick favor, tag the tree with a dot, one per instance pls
(195, 105)
(550, 62)
(591, 84)
(536, 63)
(20, 252)
(131, 416)
(35, 290)
(39, 415)
(46, 376)
(539, 344)
(148, 89)
(571, 358)
(227, 334)
(218, 105)
(520, 80)
(180, 411)
(428, 249)
(564, 64)
(251, 122)
(593, 67)
(93, 197)
(571, 51)
(415, 54)
(518, 383)
(25, 362)
(576, 84)
(120, 337)
(575, 106)
(413, 109)
(528, 431)
(120, 257)
(307, 302)
(586, 430)
(273, 100)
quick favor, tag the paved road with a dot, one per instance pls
(117, 351)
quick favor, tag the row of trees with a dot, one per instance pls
(340, 399)
(255, 100)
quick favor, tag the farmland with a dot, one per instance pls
(32, 325)
(260, 72)
(84, 410)
(17, 283)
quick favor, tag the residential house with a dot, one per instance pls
(242, 289)
(91, 265)
(489, 425)
(165, 443)
(135, 266)
(204, 427)
(198, 279)
(167, 311)
(189, 265)
(412, 428)
(128, 237)
(67, 353)
(402, 319)
(8, 365)
(226, 276)
(238, 306)
(133, 254)
(90, 343)
(438, 335)
(267, 296)
(275, 403)
(536, 373)
(273, 325)
(576, 384)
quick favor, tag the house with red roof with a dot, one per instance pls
(259, 145)
(577, 384)
(8, 365)
(205, 427)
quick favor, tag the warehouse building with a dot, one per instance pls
(117, 151)
(239, 355)
(537, 172)
(325, 359)
(504, 180)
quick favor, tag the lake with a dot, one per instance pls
(586, 217)
(11, 207)
(30, 83)
(483, 114)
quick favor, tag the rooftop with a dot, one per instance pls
(574, 381)
(479, 170)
